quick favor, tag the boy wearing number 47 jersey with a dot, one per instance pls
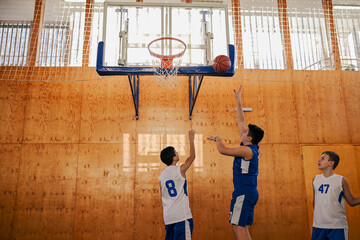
(174, 193)
(330, 190)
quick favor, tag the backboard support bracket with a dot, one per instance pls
(194, 88)
(134, 85)
(195, 73)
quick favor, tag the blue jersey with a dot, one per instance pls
(245, 172)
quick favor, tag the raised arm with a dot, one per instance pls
(240, 117)
(241, 151)
(185, 166)
(347, 194)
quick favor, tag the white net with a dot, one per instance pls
(167, 52)
(165, 71)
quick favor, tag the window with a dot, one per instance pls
(54, 47)
(347, 24)
(309, 40)
(14, 40)
(262, 44)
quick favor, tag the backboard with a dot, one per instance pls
(130, 27)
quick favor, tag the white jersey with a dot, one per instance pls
(329, 209)
(174, 195)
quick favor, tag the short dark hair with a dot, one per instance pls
(256, 133)
(167, 155)
(334, 157)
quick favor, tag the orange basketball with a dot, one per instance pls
(222, 64)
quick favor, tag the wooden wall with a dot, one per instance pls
(75, 164)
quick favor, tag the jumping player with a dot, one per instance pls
(330, 189)
(245, 171)
(174, 193)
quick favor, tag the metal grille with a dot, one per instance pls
(14, 39)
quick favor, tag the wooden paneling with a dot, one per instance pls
(147, 212)
(272, 98)
(87, 168)
(211, 192)
(161, 123)
(75, 164)
(281, 210)
(12, 108)
(351, 96)
(53, 113)
(9, 174)
(347, 168)
(105, 191)
(214, 112)
(357, 157)
(107, 111)
(320, 107)
(268, 93)
(214, 115)
(46, 192)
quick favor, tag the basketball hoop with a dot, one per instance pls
(167, 63)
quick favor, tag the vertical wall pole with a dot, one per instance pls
(238, 33)
(89, 12)
(36, 29)
(329, 20)
(285, 33)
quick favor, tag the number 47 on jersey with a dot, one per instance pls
(324, 187)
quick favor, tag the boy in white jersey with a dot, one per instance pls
(330, 190)
(174, 193)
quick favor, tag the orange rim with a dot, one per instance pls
(167, 57)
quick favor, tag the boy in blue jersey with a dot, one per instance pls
(245, 171)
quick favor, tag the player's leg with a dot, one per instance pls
(239, 214)
(169, 231)
(183, 230)
(337, 234)
(241, 233)
(242, 213)
(319, 234)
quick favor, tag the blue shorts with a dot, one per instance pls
(242, 208)
(180, 230)
(329, 234)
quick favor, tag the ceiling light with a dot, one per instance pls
(347, 7)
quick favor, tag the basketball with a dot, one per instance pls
(222, 64)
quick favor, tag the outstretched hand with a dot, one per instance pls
(238, 93)
(192, 134)
(213, 138)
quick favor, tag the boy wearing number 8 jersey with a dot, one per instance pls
(330, 190)
(174, 193)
